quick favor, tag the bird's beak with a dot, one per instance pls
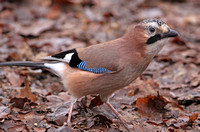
(170, 33)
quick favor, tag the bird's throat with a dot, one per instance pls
(154, 48)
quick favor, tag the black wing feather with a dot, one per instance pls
(62, 55)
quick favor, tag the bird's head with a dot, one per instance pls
(156, 30)
(152, 34)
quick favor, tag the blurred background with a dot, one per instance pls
(31, 29)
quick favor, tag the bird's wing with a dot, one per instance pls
(97, 58)
(64, 56)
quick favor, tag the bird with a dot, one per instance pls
(106, 67)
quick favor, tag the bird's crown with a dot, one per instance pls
(158, 21)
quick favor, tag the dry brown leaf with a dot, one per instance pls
(19, 102)
(14, 78)
(54, 12)
(192, 118)
(4, 111)
(58, 116)
(26, 92)
(96, 102)
(32, 119)
(35, 29)
(150, 104)
(13, 126)
(68, 1)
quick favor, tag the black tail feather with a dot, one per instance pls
(24, 64)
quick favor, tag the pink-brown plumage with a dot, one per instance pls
(122, 60)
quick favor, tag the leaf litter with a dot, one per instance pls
(36, 101)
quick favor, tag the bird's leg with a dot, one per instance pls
(115, 111)
(70, 113)
(123, 121)
(72, 101)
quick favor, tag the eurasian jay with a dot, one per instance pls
(106, 67)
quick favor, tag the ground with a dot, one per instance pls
(166, 97)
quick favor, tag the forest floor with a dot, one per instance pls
(166, 97)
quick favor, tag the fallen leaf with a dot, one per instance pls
(13, 77)
(95, 102)
(35, 29)
(150, 104)
(192, 118)
(52, 44)
(55, 101)
(103, 118)
(32, 120)
(26, 92)
(19, 102)
(179, 41)
(59, 115)
(64, 128)
(54, 12)
(77, 2)
(4, 111)
(11, 126)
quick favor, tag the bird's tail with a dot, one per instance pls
(24, 64)
(54, 67)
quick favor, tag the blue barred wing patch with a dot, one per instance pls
(98, 70)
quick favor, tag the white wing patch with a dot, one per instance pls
(57, 67)
(68, 57)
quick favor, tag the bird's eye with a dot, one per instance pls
(152, 29)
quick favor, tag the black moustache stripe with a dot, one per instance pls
(153, 39)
